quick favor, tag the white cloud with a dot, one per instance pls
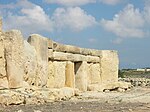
(128, 23)
(111, 2)
(30, 19)
(72, 18)
(70, 2)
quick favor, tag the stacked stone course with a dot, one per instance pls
(40, 63)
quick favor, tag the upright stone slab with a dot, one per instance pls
(51, 75)
(95, 73)
(30, 66)
(2, 58)
(81, 79)
(3, 76)
(14, 58)
(109, 66)
(59, 74)
(41, 46)
(70, 75)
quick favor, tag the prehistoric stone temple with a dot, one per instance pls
(40, 62)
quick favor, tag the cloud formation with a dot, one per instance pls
(31, 18)
(70, 2)
(72, 18)
(83, 2)
(111, 2)
(128, 23)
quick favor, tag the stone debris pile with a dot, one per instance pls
(137, 81)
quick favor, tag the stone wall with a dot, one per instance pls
(42, 63)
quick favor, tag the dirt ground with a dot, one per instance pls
(135, 100)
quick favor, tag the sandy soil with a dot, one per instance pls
(135, 100)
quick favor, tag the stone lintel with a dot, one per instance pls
(61, 56)
(75, 50)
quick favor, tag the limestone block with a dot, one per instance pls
(70, 76)
(89, 76)
(95, 87)
(95, 52)
(14, 58)
(50, 53)
(50, 43)
(66, 48)
(92, 59)
(109, 66)
(81, 79)
(92, 52)
(51, 80)
(95, 73)
(72, 49)
(114, 85)
(2, 58)
(59, 47)
(3, 83)
(41, 46)
(67, 92)
(59, 74)
(60, 56)
(30, 66)
(85, 51)
(79, 57)
(11, 98)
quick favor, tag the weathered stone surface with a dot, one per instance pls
(2, 57)
(95, 87)
(85, 51)
(50, 54)
(50, 43)
(14, 58)
(95, 73)
(72, 49)
(114, 85)
(95, 52)
(59, 47)
(3, 83)
(30, 66)
(70, 75)
(72, 57)
(92, 59)
(51, 75)
(67, 92)
(66, 48)
(59, 74)
(41, 46)
(81, 79)
(60, 56)
(8, 97)
(89, 76)
(109, 66)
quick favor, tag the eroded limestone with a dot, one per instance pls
(14, 58)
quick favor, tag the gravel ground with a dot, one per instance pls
(135, 100)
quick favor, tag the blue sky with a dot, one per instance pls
(122, 25)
